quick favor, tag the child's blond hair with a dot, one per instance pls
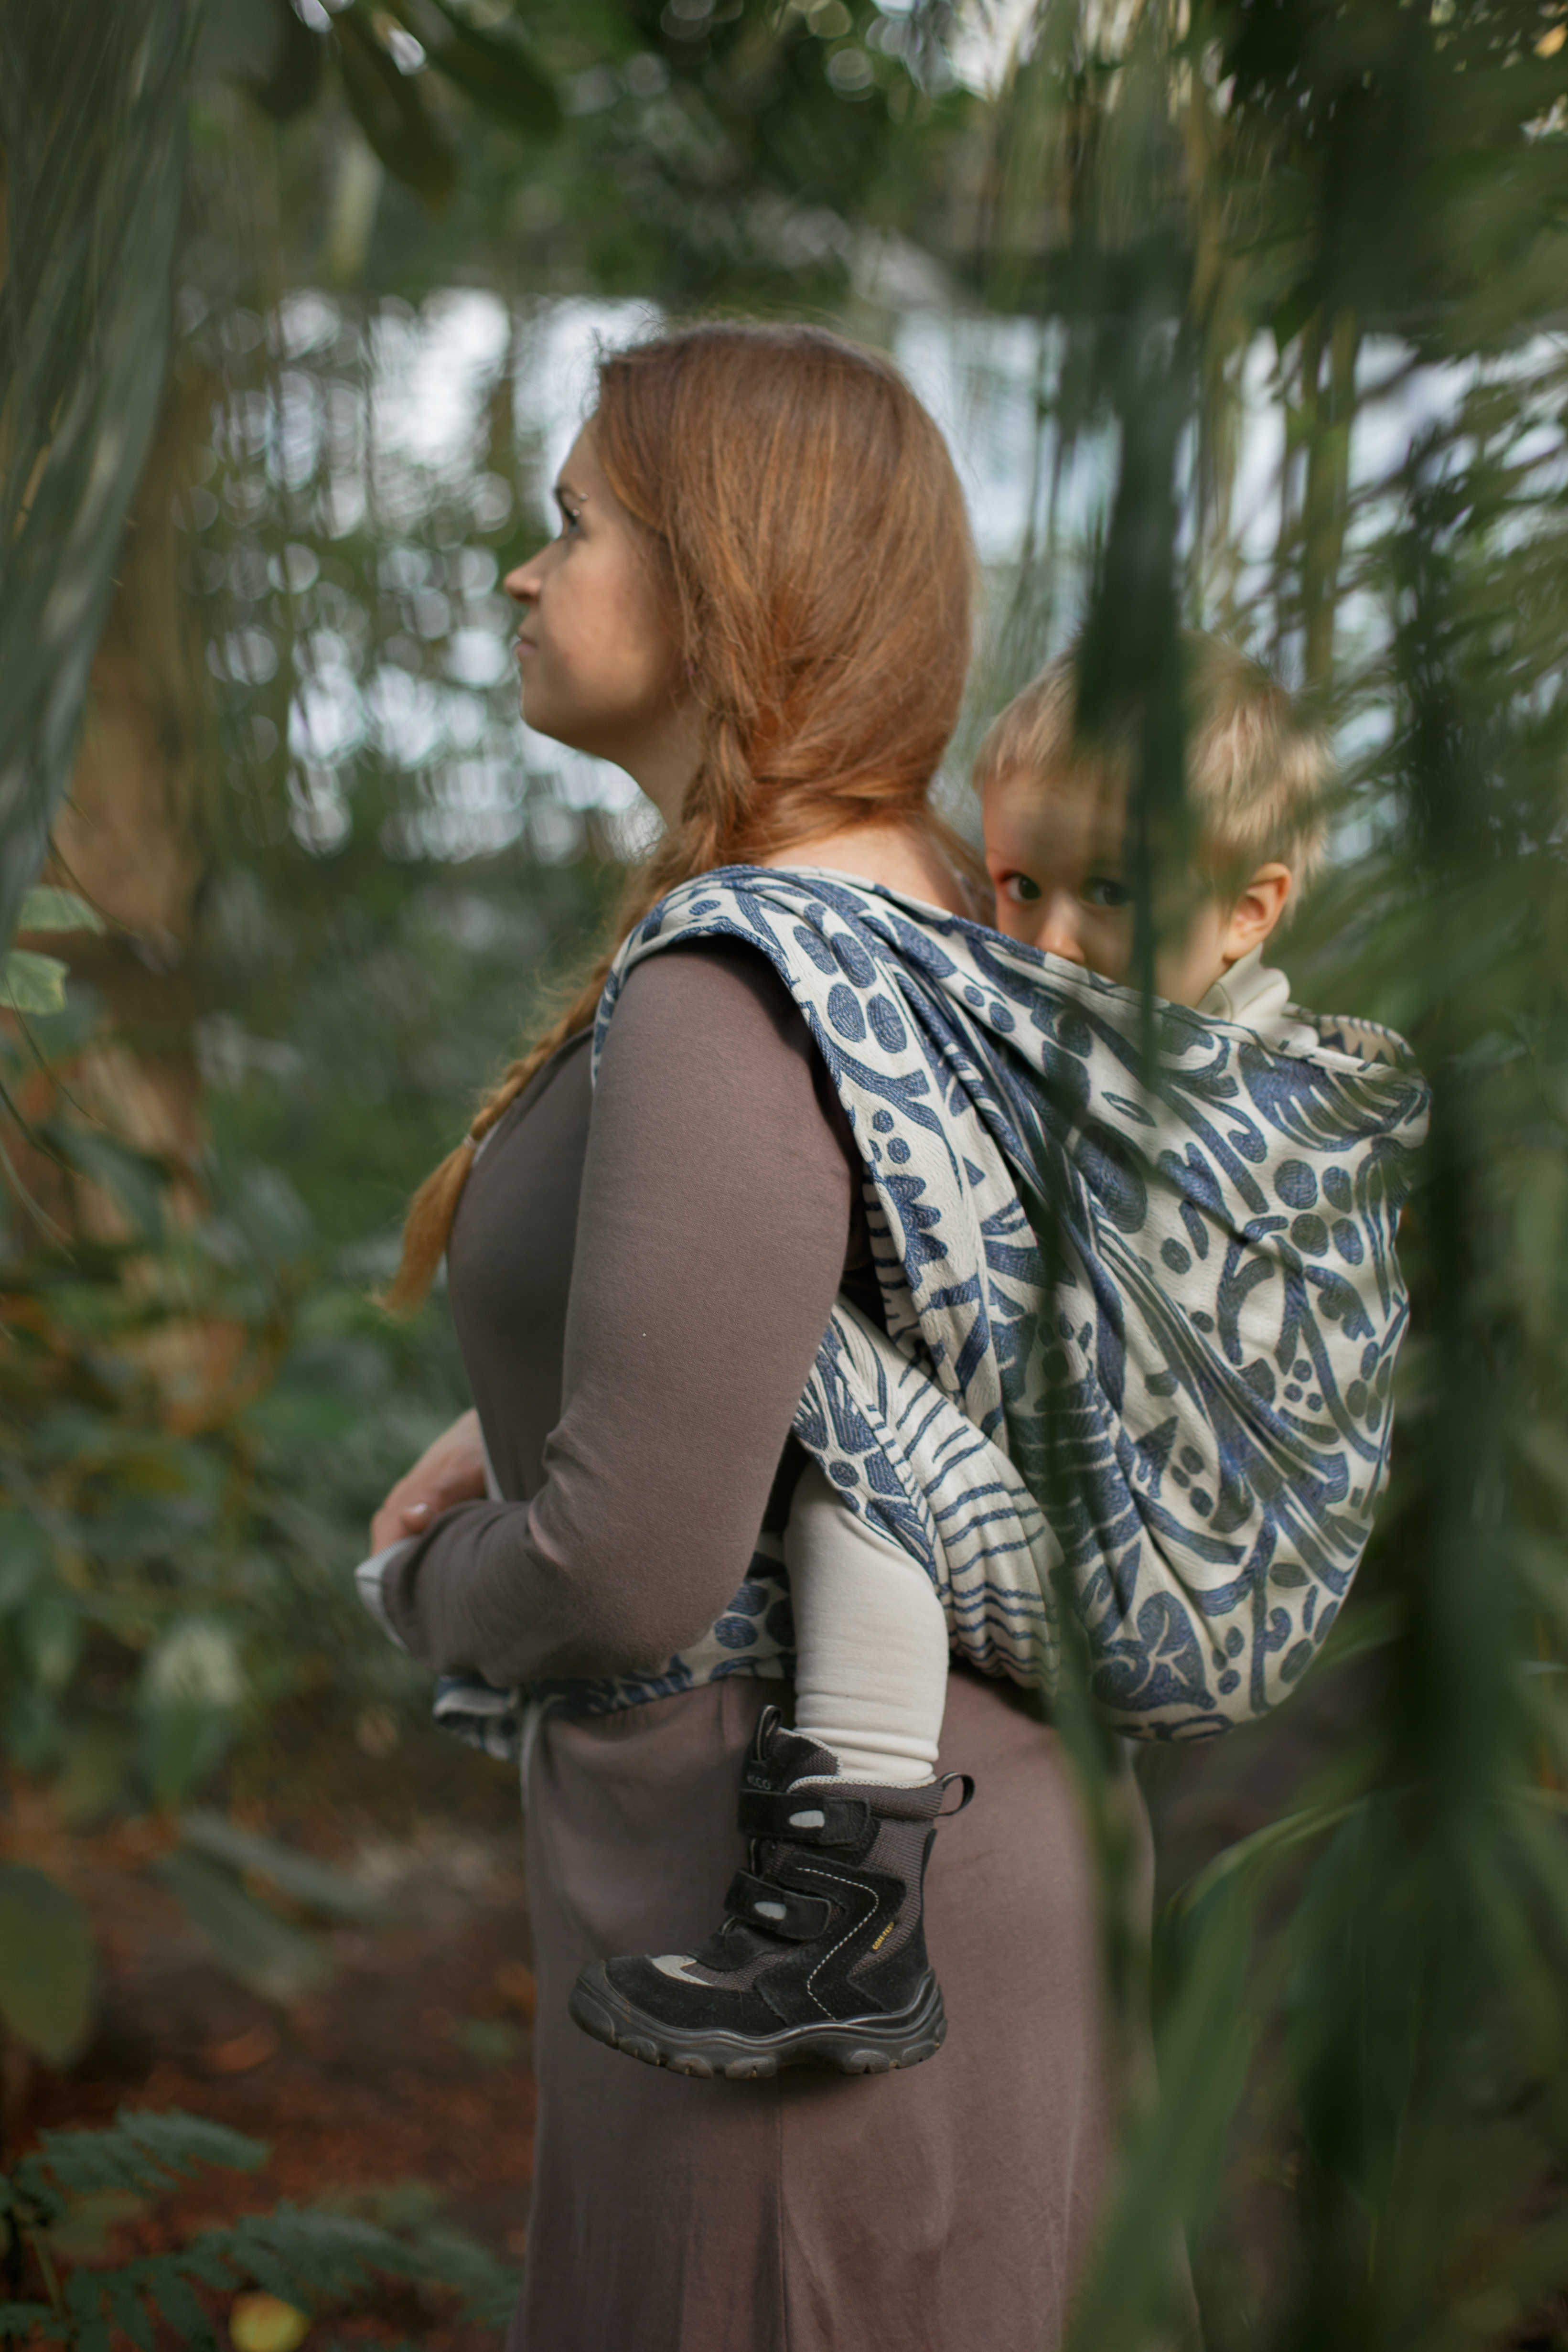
(1257, 772)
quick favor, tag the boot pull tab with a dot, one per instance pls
(768, 1722)
(950, 1812)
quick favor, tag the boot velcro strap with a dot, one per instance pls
(760, 1903)
(804, 1816)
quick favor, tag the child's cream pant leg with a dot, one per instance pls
(870, 1641)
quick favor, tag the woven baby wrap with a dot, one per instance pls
(1141, 1314)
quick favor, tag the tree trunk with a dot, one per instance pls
(136, 839)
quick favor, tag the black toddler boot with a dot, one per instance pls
(821, 1956)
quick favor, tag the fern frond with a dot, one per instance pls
(141, 2152)
(297, 2255)
(84, 2299)
(19, 2321)
(129, 2312)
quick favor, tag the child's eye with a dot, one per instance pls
(1021, 890)
(1102, 892)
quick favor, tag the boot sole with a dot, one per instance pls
(877, 2045)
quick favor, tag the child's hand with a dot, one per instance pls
(450, 1471)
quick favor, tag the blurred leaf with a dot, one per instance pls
(261, 1950)
(188, 1695)
(92, 125)
(1174, 2146)
(143, 2152)
(391, 113)
(50, 1633)
(294, 79)
(1265, 1845)
(491, 2040)
(134, 1178)
(24, 1557)
(56, 911)
(31, 982)
(315, 1884)
(48, 1972)
(1354, 2004)
(97, 1775)
(273, 1219)
(303, 1412)
(491, 67)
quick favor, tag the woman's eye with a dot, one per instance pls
(1021, 890)
(1103, 893)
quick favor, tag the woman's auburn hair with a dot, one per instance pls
(806, 522)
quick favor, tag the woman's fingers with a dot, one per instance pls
(450, 1471)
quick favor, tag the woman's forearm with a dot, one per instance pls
(711, 1241)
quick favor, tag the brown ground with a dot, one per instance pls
(410, 2065)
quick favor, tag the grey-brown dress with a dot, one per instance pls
(640, 1277)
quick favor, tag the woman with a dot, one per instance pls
(759, 605)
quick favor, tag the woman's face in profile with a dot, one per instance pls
(597, 648)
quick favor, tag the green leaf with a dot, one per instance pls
(48, 1972)
(1262, 1846)
(84, 2298)
(134, 1178)
(177, 2305)
(263, 1951)
(314, 1882)
(130, 2311)
(143, 2151)
(45, 910)
(32, 983)
(392, 114)
(488, 67)
(24, 1558)
(50, 1636)
(97, 1774)
(20, 2322)
(95, 141)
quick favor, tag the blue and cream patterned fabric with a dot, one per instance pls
(1141, 1323)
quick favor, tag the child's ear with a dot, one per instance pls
(1257, 907)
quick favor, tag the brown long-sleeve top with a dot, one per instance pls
(640, 1274)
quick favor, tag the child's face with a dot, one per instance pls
(1054, 849)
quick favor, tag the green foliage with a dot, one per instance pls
(32, 983)
(1381, 193)
(197, 1419)
(36, 983)
(47, 1965)
(1349, 222)
(301, 2257)
(92, 148)
(750, 154)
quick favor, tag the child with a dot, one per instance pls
(871, 1643)
(854, 1782)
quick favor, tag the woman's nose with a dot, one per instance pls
(522, 585)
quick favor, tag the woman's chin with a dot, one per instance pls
(542, 715)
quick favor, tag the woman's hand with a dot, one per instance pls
(450, 1471)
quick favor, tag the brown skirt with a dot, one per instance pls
(943, 2210)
